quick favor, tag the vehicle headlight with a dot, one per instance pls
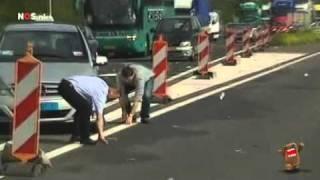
(185, 43)
(133, 37)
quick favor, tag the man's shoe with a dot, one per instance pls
(145, 121)
(88, 142)
(74, 139)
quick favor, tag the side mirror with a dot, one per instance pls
(101, 60)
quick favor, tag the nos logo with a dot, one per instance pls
(26, 16)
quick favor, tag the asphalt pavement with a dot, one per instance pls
(230, 138)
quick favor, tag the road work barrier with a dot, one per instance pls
(230, 47)
(246, 43)
(25, 130)
(267, 39)
(260, 40)
(203, 51)
(160, 69)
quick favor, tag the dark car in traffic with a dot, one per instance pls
(181, 33)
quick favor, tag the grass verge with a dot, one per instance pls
(296, 38)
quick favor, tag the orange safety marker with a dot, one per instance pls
(246, 43)
(203, 51)
(160, 68)
(230, 46)
(25, 131)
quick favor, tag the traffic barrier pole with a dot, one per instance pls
(160, 68)
(203, 51)
(230, 46)
(269, 35)
(25, 131)
(246, 43)
(25, 127)
(260, 39)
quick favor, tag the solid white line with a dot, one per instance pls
(70, 147)
(191, 70)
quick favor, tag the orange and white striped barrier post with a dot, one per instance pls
(160, 68)
(25, 131)
(230, 46)
(260, 42)
(246, 43)
(203, 51)
(268, 35)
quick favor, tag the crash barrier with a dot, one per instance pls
(25, 133)
(160, 68)
(230, 47)
(25, 129)
(247, 43)
(260, 40)
(268, 35)
(203, 51)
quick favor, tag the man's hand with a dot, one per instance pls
(102, 140)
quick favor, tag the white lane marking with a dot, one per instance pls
(117, 129)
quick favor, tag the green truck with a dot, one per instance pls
(254, 13)
(123, 27)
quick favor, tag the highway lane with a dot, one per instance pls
(233, 138)
(56, 135)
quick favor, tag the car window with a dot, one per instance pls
(173, 25)
(48, 46)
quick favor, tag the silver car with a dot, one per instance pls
(64, 51)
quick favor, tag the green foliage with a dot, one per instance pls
(296, 38)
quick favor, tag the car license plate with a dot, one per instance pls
(49, 106)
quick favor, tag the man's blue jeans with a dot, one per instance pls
(146, 99)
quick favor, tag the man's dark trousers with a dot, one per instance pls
(81, 123)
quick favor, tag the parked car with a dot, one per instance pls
(181, 33)
(63, 49)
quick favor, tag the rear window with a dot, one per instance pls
(48, 46)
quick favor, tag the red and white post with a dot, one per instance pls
(203, 51)
(160, 68)
(260, 42)
(230, 46)
(246, 43)
(25, 135)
